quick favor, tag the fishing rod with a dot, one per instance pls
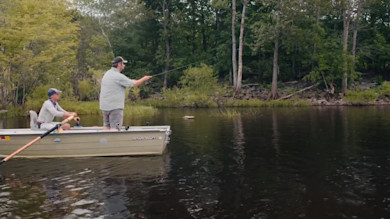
(175, 69)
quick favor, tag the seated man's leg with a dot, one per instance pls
(116, 118)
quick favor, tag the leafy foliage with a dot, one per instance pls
(69, 45)
(38, 46)
(198, 84)
(361, 96)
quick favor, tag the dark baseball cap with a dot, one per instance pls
(52, 91)
(118, 59)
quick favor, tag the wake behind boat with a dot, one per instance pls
(86, 142)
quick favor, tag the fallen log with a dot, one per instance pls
(300, 91)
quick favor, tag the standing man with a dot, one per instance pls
(50, 109)
(112, 93)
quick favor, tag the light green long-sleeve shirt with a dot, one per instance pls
(112, 91)
(49, 111)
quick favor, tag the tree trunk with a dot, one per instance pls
(3, 92)
(194, 25)
(167, 41)
(230, 76)
(6, 92)
(274, 89)
(355, 31)
(23, 91)
(315, 44)
(345, 50)
(234, 50)
(240, 49)
(105, 36)
(15, 100)
(204, 35)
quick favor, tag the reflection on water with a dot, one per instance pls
(265, 163)
(85, 187)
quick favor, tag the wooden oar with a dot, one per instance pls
(35, 140)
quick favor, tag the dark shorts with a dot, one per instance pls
(113, 118)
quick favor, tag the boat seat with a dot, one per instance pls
(33, 120)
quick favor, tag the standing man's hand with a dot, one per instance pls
(142, 80)
(147, 77)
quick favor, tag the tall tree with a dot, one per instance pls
(38, 46)
(275, 68)
(241, 47)
(359, 8)
(166, 36)
(347, 13)
(234, 46)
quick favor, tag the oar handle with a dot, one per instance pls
(35, 140)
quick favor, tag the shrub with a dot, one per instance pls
(198, 86)
(385, 88)
(135, 93)
(361, 96)
(196, 100)
(379, 79)
(87, 90)
(199, 79)
(173, 96)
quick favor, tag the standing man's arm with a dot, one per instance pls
(141, 81)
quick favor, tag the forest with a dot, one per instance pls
(69, 44)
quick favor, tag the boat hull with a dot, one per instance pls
(86, 142)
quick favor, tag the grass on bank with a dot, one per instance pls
(272, 103)
(362, 97)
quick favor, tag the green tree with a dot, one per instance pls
(38, 46)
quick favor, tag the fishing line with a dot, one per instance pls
(165, 72)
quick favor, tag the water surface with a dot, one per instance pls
(326, 162)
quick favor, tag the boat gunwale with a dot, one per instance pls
(82, 131)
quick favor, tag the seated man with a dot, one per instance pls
(51, 109)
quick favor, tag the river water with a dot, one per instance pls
(325, 162)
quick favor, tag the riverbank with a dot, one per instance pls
(291, 94)
(366, 93)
